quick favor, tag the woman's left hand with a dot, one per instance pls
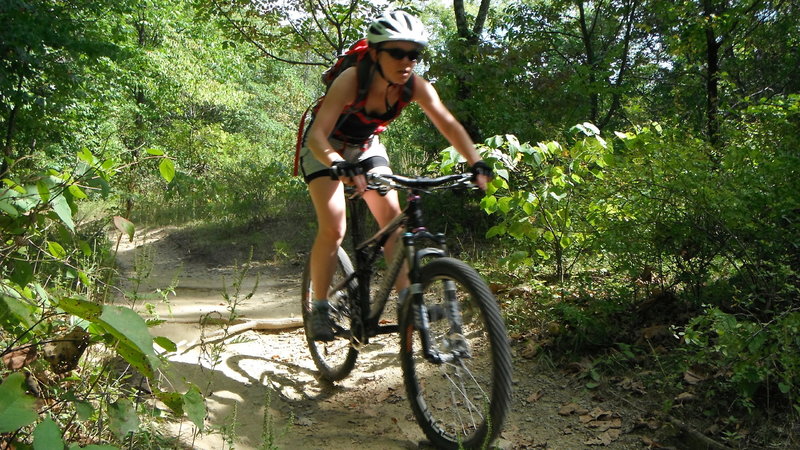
(482, 181)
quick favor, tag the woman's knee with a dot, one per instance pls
(331, 233)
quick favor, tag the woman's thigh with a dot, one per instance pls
(327, 195)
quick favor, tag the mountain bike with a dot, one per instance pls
(454, 348)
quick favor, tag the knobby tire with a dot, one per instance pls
(464, 403)
(336, 359)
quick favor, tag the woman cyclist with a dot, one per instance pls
(341, 143)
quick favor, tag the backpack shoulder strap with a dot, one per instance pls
(301, 135)
(364, 74)
(408, 89)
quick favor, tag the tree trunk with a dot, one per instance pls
(12, 116)
(11, 125)
(712, 75)
(591, 63)
(471, 38)
(624, 64)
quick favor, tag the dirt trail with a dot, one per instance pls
(266, 381)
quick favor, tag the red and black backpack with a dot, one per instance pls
(352, 57)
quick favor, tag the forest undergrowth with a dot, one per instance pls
(641, 232)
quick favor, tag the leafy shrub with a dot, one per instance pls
(53, 307)
(540, 194)
(751, 358)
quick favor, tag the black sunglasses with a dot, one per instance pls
(399, 54)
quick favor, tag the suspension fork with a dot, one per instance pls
(418, 308)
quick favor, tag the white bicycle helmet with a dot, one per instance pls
(397, 26)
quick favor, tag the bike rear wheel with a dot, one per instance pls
(335, 359)
(461, 403)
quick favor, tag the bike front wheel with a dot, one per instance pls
(335, 359)
(460, 398)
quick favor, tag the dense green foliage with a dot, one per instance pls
(674, 202)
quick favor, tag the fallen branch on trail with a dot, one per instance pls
(694, 438)
(288, 323)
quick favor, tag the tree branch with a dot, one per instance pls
(480, 20)
(258, 45)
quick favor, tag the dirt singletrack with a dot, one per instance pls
(261, 388)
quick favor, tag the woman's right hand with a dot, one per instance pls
(349, 173)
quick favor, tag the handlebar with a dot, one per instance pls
(380, 181)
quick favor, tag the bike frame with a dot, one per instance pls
(366, 254)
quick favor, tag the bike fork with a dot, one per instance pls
(454, 335)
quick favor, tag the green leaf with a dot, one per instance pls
(63, 210)
(131, 330)
(494, 141)
(167, 169)
(76, 191)
(496, 230)
(23, 272)
(8, 207)
(504, 204)
(47, 436)
(580, 128)
(11, 307)
(42, 293)
(85, 248)
(518, 257)
(195, 407)
(17, 408)
(553, 148)
(84, 278)
(43, 190)
(155, 151)
(125, 226)
(519, 229)
(165, 343)
(173, 400)
(529, 208)
(122, 417)
(56, 250)
(136, 358)
(624, 136)
(84, 409)
(785, 388)
(86, 156)
(489, 204)
(81, 308)
(513, 144)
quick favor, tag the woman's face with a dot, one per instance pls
(397, 60)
